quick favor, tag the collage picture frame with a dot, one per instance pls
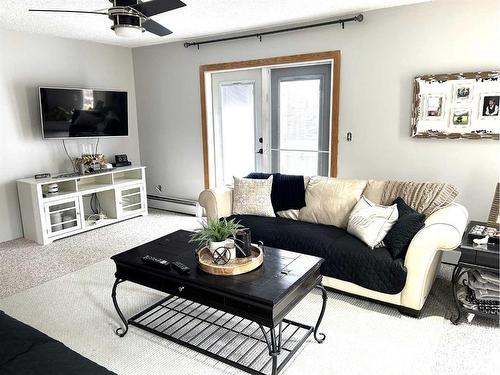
(457, 105)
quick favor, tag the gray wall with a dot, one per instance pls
(380, 57)
(28, 61)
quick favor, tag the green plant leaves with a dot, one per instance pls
(215, 230)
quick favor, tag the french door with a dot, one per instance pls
(300, 120)
(237, 112)
(271, 120)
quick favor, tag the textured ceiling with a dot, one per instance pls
(200, 18)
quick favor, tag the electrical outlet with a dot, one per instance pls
(158, 188)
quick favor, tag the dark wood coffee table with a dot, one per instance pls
(238, 320)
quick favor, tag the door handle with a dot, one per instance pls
(261, 151)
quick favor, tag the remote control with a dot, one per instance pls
(156, 262)
(180, 267)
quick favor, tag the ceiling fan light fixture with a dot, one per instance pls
(127, 31)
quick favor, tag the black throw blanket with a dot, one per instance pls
(288, 191)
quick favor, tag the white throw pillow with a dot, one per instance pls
(253, 197)
(370, 222)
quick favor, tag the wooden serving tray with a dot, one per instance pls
(234, 266)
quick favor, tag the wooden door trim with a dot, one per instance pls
(281, 60)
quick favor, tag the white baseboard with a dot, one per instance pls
(176, 205)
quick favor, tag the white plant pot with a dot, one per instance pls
(226, 243)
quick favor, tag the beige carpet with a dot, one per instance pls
(362, 337)
(24, 263)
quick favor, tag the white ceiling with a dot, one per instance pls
(200, 18)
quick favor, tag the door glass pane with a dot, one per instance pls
(299, 105)
(135, 190)
(237, 130)
(64, 219)
(131, 200)
(129, 207)
(62, 206)
(297, 162)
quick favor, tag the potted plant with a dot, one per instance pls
(217, 233)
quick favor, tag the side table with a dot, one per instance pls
(480, 258)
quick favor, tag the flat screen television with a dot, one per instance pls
(83, 113)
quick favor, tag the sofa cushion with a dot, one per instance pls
(409, 223)
(288, 192)
(346, 257)
(25, 350)
(253, 197)
(374, 190)
(424, 197)
(330, 200)
(370, 222)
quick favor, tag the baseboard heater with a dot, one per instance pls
(185, 206)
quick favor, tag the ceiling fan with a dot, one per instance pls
(131, 17)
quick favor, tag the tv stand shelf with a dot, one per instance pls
(46, 217)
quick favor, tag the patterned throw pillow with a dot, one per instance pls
(253, 197)
(370, 222)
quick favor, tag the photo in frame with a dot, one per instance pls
(434, 107)
(460, 116)
(457, 105)
(462, 92)
(489, 106)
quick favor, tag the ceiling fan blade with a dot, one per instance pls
(66, 11)
(155, 28)
(150, 8)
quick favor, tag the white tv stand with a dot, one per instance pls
(47, 217)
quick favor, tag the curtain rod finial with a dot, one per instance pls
(359, 18)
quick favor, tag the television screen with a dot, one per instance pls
(84, 113)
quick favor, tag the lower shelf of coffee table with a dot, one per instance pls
(228, 338)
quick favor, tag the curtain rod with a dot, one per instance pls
(342, 21)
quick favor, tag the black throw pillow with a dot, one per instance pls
(288, 191)
(409, 223)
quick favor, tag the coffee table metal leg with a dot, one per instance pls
(273, 345)
(119, 331)
(320, 337)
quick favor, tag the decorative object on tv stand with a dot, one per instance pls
(51, 189)
(218, 236)
(90, 161)
(457, 105)
(121, 161)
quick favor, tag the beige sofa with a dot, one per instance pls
(442, 232)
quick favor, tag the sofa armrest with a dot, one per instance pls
(443, 231)
(217, 202)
